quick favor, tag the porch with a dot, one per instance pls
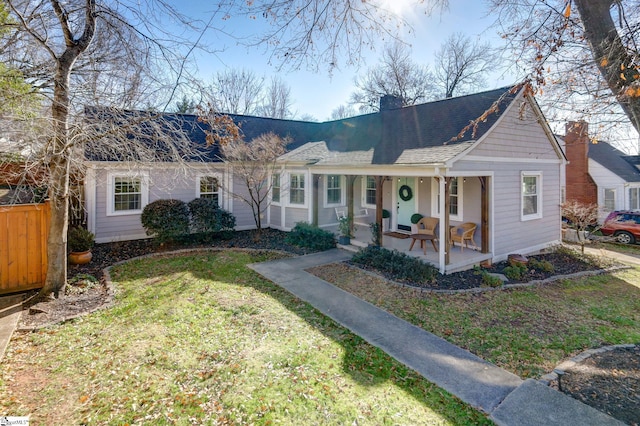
(459, 260)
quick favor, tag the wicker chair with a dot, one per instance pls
(428, 225)
(464, 234)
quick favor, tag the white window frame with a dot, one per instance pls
(637, 198)
(279, 176)
(435, 203)
(342, 181)
(304, 189)
(144, 192)
(365, 188)
(604, 199)
(538, 194)
(216, 176)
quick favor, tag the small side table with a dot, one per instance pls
(422, 238)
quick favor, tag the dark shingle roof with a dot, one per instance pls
(146, 126)
(614, 160)
(425, 133)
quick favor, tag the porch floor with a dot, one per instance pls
(459, 260)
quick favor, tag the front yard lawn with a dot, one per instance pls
(527, 331)
(201, 339)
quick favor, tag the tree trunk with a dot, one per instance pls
(61, 150)
(610, 55)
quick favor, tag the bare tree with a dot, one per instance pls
(584, 59)
(396, 75)
(253, 163)
(461, 65)
(236, 91)
(343, 111)
(319, 33)
(277, 102)
(80, 52)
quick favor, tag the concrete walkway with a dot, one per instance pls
(507, 399)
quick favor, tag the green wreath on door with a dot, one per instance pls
(405, 193)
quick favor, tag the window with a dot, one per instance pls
(296, 189)
(126, 194)
(275, 188)
(455, 198)
(634, 198)
(370, 192)
(209, 188)
(334, 190)
(609, 199)
(531, 195)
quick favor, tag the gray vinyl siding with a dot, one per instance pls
(241, 210)
(511, 233)
(165, 183)
(517, 136)
(276, 216)
(294, 215)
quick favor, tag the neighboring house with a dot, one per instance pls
(598, 173)
(503, 174)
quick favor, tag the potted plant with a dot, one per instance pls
(80, 242)
(386, 214)
(415, 218)
(346, 230)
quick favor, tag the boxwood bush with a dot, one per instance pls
(166, 220)
(208, 219)
(307, 235)
(396, 265)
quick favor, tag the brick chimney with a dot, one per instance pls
(389, 102)
(579, 184)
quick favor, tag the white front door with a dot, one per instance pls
(405, 202)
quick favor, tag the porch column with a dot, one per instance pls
(350, 182)
(379, 183)
(484, 221)
(445, 212)
(314, 198)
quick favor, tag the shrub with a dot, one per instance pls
(488, 280)
(166, 219)
(386, 214)
(307, 235)
(541, 265)
(415, 218)
(208, 218)
(395, 264)
(80, 239)
(515, 272)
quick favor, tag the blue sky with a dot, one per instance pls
(318, 93)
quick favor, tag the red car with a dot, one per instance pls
(624, 225)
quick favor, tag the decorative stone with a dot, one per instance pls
(517, 259)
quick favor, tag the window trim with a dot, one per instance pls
(216, 176)
(342, 181)
(365, 188)
(279, 175)
(304, 189)
(435, 202)
(604, 199)
(538, 194)
(144, 192)
(637, 197)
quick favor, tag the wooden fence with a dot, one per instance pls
(23, 246)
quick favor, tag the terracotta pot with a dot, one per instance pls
(80, 258)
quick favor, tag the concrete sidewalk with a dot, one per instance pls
(506, 398)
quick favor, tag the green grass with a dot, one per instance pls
(527, 331)
(201, 339)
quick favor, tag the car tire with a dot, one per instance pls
(624, 237)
